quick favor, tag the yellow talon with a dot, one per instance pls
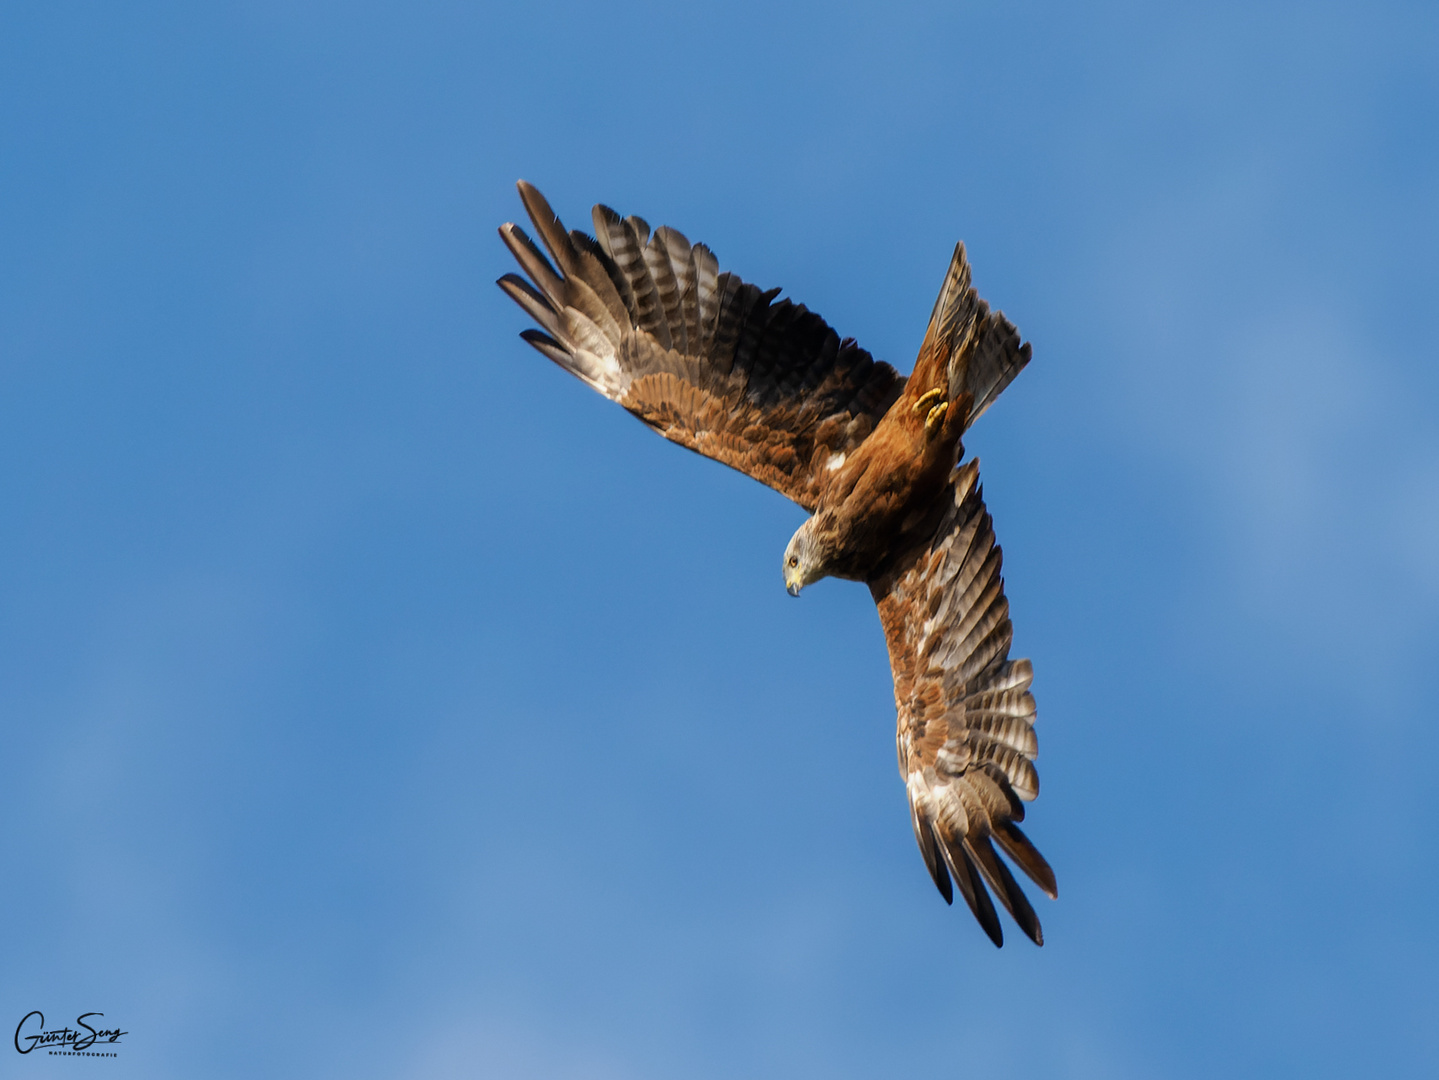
(927, 398)
(936, 415)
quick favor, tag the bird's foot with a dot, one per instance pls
(928, 398)
(935, 417)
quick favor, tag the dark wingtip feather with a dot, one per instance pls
(939, 873)
(539, 337)
(551, 348)
(984, 912)
(536, 205)
(1017, 846)
(535, 305)
(548, 225)
(531, 259)
(512, 282)
(933, 856)
(1006, 888)
(971, 887)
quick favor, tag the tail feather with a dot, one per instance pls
(983, 348)
(955, 301)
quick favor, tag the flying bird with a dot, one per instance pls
(766, 386)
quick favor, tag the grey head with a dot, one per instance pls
(803, 559)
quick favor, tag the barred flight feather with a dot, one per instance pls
(707, 292)
(657, 262)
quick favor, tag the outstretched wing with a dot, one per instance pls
(966, 737)
(707, 360)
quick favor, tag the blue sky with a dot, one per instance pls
(380, 702)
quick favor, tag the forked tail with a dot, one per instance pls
(983, 348)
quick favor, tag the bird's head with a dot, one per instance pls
(802, 559)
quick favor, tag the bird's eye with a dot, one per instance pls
(793, 561)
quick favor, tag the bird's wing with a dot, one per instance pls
(966, 736)
(707, 360)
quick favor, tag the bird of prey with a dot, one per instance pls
(764, 385)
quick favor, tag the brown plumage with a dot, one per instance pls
(764, 385)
